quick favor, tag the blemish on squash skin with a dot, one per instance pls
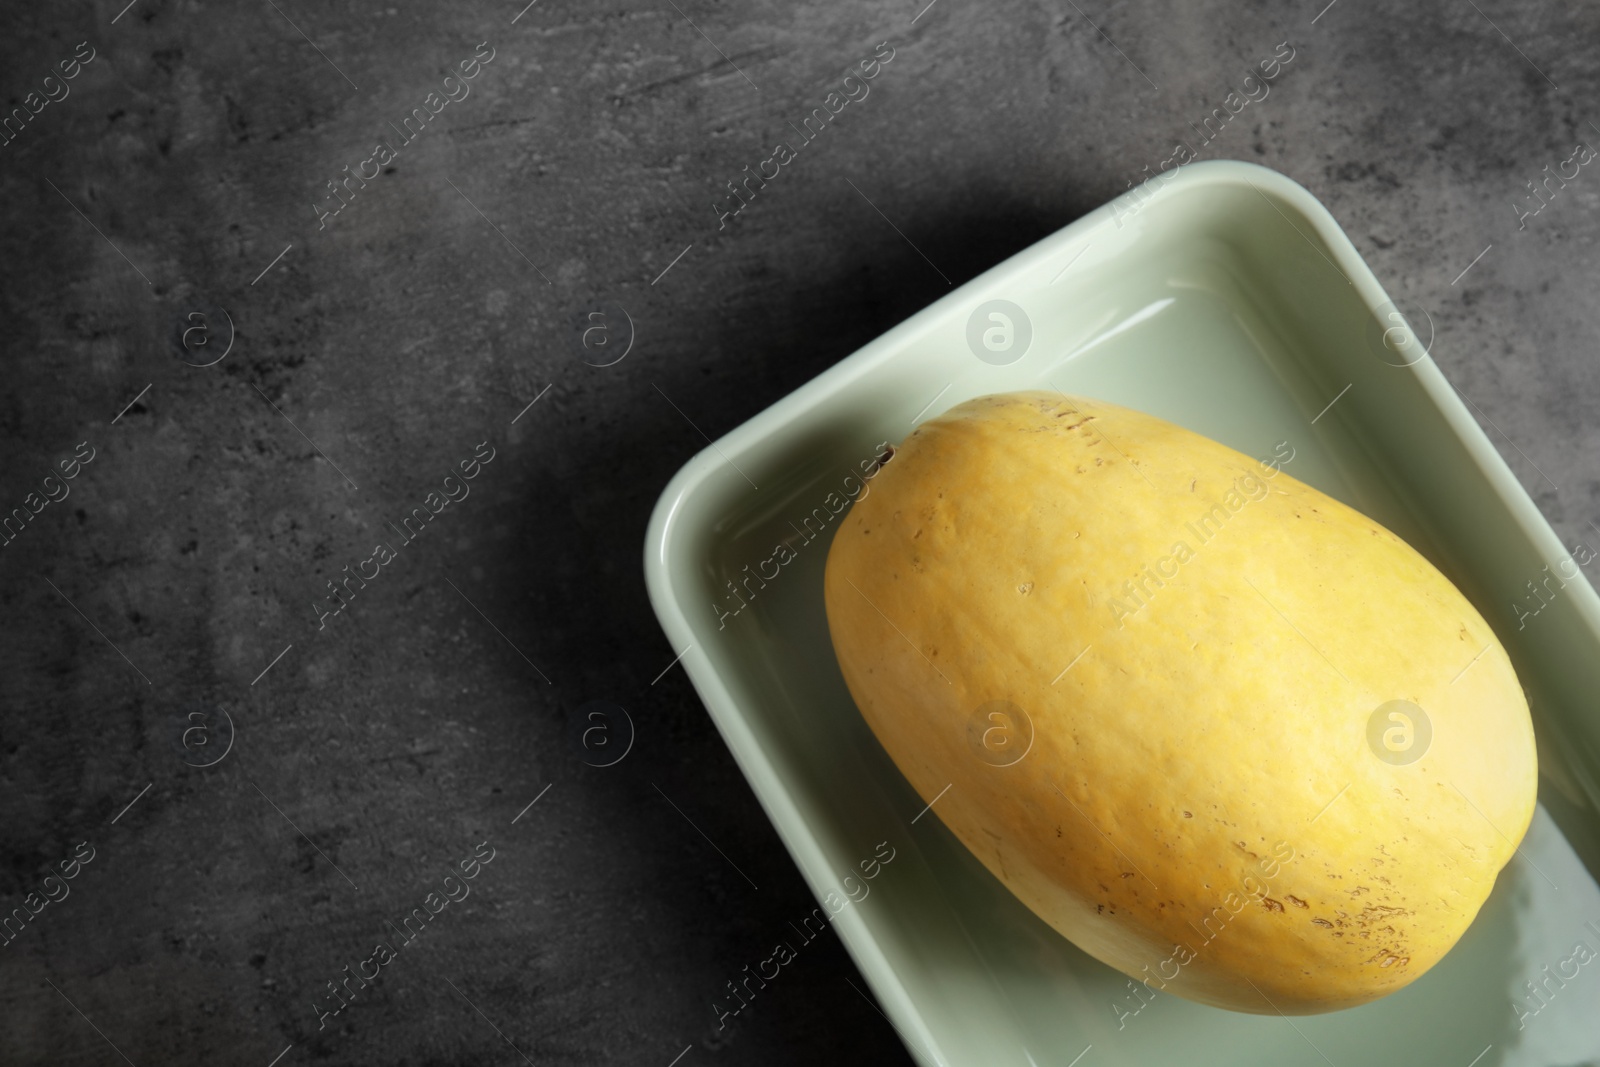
(1270, 904)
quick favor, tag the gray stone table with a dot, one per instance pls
(251, 372)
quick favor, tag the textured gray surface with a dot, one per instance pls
(381, 749)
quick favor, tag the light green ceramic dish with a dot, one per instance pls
(1229, 301)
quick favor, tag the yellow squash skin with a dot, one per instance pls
(1188, 791)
